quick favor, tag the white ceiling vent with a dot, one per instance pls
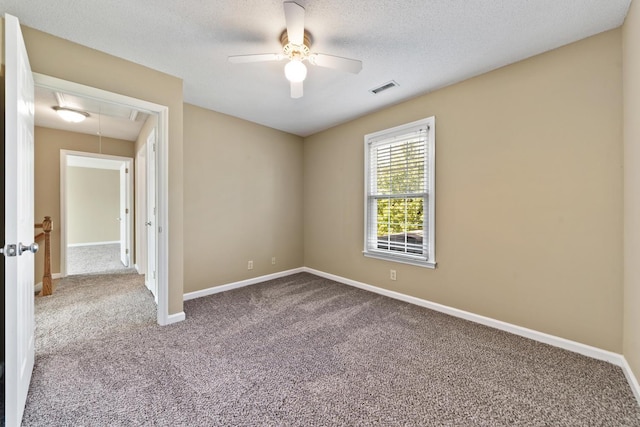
(384, 87)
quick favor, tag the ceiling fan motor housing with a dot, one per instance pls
(296, 51)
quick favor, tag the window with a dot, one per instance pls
(399, 194)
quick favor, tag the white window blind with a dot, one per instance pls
(399, 200)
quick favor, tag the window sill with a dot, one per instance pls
(399, 259)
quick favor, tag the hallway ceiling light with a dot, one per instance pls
(71, 115)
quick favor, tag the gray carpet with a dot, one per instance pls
(96, 259)
(90, 307)
(301, 351)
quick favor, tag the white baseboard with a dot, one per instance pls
(631, 378)
(174, 318)
(576, 347)
(73, 245)
(240, 284)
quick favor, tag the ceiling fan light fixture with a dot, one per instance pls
(71, 115)
(295, 71)
(296, 46)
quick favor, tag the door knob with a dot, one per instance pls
(33, 248)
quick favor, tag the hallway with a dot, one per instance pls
(95, 259)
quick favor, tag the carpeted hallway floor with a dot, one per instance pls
(300, 351)
(95, 259)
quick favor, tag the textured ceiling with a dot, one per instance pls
(421, 44)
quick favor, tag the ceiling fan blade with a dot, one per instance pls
(336, 62)
(296, 89)
(261, 57)
(294, 17)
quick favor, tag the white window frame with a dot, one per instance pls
(429, 259)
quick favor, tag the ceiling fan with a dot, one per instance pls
(296, 47)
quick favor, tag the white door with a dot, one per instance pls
(19, 110)
(124, 216)
(152, 226)
(141, 210)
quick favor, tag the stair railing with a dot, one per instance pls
(47, 226)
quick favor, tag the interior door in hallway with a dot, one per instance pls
(152, 226)
(125, 215)
(17, 247)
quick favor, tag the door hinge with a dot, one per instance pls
(154, 274)
(154, 147)
(126, 170)
(9, 250)
(126, 210)
(126, 251)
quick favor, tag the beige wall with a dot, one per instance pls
(93, 205)
(631, 81)
(529, 195)
(59, 58)
(48, 143)
(243, 199)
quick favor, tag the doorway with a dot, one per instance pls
(159, 178)
(96, 213)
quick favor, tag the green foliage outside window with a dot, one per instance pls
(400, 171)
(400, 215)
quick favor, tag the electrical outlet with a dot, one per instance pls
(250, 265)
(273, 260)
(392, 274)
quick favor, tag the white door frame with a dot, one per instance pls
(87, 161)
(162, 184)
